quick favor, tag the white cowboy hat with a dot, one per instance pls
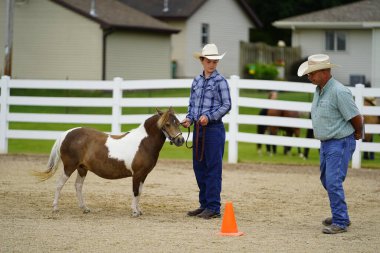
(209, 51)
(315, 62)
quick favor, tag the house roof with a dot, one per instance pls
(362, 14)
(180, 9)
(175, 9)
(114, 14)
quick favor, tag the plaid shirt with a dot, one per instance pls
(331, 111)
(210, 97)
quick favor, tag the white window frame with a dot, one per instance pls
(332, 41)
(205, 34)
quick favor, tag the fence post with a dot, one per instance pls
(4, 110)
(117, 95)
(359, 101)
(233, 124)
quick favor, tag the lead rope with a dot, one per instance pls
(203, 141)
(188, 134)
(197, 126)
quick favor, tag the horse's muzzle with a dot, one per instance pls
(178, 140)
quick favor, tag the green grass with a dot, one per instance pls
(247, 152)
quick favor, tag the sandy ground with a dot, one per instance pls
(279, 208)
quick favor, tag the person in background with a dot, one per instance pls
(209, 101)
(336, 123)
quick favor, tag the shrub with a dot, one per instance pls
(262, 71)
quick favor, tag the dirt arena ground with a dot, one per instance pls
(279, 208)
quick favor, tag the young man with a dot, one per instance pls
(336, 123)
(209, 101)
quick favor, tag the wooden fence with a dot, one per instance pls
(117, 102)
(253, 53)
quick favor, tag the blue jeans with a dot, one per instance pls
(335, 156)
(208, 172)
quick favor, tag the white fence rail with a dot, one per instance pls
(117, 102)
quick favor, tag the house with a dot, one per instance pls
(349, 33)
(86, 40)
(223, 22)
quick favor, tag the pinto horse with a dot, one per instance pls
(289, 131)
(132, 154)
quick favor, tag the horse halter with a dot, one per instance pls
(171, 139)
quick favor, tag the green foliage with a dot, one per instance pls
(262, 71)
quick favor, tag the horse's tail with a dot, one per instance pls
(55, 157)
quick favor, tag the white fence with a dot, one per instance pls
(117, 102)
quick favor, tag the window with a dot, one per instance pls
(205, 34)
(335, 41)
(341, 41)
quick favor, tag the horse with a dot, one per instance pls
(310, 135)
(369, 119)
(262, 129)
(132, 154)
(289, 131)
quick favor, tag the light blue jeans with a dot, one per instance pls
(335, 156)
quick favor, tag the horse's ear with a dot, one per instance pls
(159, 111)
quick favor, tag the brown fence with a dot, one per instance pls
(253, 53)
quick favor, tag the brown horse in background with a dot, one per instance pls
(289, 131)
(369, 119)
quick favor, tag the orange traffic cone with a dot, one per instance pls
(229, 226)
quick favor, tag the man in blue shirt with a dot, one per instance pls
(209, 101)
(336, 123)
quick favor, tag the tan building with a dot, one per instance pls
(223, 22)
(86, 40)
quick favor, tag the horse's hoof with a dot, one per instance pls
(136, 214)
(86, 210)
(55, 210)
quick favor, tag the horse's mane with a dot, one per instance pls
(164, 118)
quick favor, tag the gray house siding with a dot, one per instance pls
(356, 60)
(229, 22)
(133, 55)
(359, 20)
(50, 42)
(61, 40)
(228, 26)
(375, 58)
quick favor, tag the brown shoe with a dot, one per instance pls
(333, 229)
(328, 222)
(195, 212)
(208, 214)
